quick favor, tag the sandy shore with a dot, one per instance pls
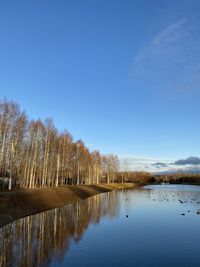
(21, 203)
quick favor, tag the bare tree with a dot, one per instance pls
(35, 154)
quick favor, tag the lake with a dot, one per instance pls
(154, 226)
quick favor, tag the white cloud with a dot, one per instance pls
(171, 35)
(140, 163)
(153, 165)
(171, 59)
(166, 43)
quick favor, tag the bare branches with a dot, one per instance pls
(34, 154)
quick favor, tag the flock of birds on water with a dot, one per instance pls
(188, 199)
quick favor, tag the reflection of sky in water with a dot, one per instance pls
(154, 233)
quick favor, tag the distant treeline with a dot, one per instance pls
(35, 154)
(178, 178)
(141, 178)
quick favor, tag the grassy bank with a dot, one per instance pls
(21, 203)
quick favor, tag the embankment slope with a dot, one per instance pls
(21, 203)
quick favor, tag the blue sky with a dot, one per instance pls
(124, 76)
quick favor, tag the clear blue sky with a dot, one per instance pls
(124, 76)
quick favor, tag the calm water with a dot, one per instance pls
(97, 232)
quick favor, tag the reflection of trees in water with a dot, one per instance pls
(35, 240)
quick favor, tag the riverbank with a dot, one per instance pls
(21, 203)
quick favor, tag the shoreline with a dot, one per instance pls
(22, 203)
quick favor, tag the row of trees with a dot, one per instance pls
(140, 178)
(35, 154)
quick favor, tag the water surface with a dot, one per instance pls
(153, 226)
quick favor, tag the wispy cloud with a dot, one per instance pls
(164, 46)
(171, 35)
(171, 59)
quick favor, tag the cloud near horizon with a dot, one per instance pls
(159, 165)
(134, 163)
(188, 161)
